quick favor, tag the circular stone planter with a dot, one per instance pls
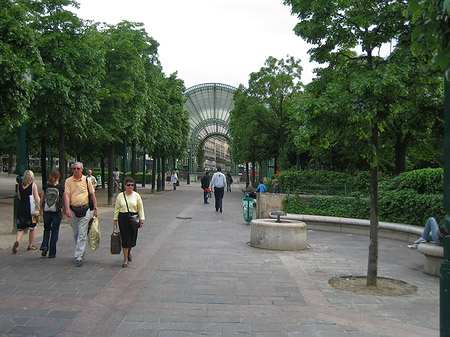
(284, 235)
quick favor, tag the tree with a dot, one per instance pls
(68, 82)
(172, 135)
(335, 27)
(431, 33)
(431, 37)
(273, 86)
(250, 129)
(19, 56)
(125, 98)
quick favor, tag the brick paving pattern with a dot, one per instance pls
(194, 274)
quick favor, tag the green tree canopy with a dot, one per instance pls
(18, 55)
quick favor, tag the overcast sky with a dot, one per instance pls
(210, 40)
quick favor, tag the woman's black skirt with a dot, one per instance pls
(128, 235)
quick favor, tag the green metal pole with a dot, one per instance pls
(49, 162)
(21, 166)
(158, 171)
(445, 266)
(189, 167)
(144, 171)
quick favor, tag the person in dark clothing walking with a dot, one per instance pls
(219, 181)
(205, 186)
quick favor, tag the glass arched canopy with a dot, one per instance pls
(209, 107)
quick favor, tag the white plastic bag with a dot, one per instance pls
(34, 206)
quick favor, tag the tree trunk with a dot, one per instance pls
(401, 144)
(102, 169)
(372, 269)
(247, 178)
(62, 154)
(163, 170)
(275, 165)
(110, 174)
(43, 160)
(253, 172)
(154, 171)
(133, 160)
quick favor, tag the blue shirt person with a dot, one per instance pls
(261, 187)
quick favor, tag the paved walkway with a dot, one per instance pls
(193, 274)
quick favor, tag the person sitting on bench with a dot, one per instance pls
(431, 232)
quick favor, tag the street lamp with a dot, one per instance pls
(189, 167)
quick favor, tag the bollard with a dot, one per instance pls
(445, 288)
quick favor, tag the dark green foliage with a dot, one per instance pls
(409, 207)
(410, 198)
(425, 181)
(330, 206)
(325, 183)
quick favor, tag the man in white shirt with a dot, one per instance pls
(92, 179)
(218, 181)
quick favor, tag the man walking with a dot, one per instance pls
(76, 201)
(92, 179)
(219, 181)
(205, 185)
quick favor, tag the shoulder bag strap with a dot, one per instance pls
(125, 197)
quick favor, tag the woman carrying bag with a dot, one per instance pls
(128, 203)
(25, 220)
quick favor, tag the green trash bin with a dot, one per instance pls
(247, 206)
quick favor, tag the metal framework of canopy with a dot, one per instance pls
(209, 107)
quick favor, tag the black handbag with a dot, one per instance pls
(116, 244)
(133, 218)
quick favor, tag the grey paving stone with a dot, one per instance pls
(198, 277)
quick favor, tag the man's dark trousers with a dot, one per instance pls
(218, 196)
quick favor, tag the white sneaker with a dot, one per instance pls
(413, 246)
(421, 240)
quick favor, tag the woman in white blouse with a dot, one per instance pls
(122, 216)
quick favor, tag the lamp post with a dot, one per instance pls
(189, 167)
(445, 266)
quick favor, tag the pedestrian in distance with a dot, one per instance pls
(128, 203)
(275, 185)
(93, 180)
(218, 182)
(25, 220)
(52, 197)
(116, 181)
(76, 207)
(431, 232)
(174, 179)
(229, 181)
(261, 187)
(205, 185)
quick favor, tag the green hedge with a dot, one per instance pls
(325, 183)
(330, 206)
(410, 198)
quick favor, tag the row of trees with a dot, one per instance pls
(93, 88)
(362, 111)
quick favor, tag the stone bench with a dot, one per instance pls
(434, 254)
